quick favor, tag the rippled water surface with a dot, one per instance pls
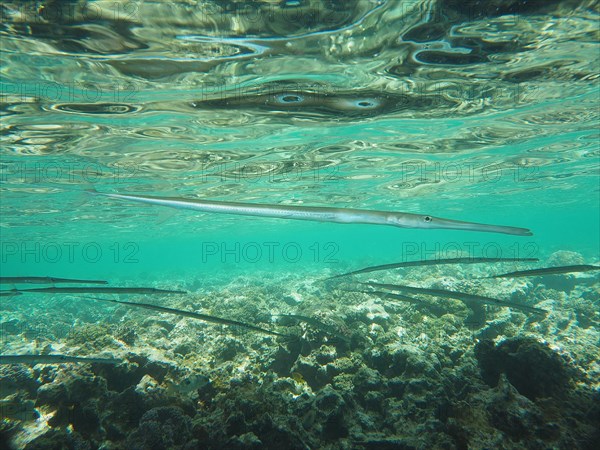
(434, 107)
(445, 108)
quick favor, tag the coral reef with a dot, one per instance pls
(367, 373)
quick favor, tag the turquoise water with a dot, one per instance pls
(554, 193)
(479, 113)
(511, 140)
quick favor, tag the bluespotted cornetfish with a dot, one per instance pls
(548, 271)
(10, 293)
(431, 262)
(193, 315)
(463, 296)
(98, 290)
(54, 359)
(319, 214)
(46, 280)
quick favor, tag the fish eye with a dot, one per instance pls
(427, 218)
(367, 103)
(290, 98)
(356, 103)
(363, 103)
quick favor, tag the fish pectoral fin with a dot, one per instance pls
(164, 214)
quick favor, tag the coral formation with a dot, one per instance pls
(366, 373)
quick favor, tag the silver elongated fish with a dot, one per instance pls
(54, 359)
(430, 262)
(463, 296)
(548, 271)
(10, 293)
(320, 214)
(193, 315)
(46, 280)
(98, 290)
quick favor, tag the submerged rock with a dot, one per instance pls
(565, 258)
(162, 427)
(512, 413)
(244, 442)
(59, 439)
(532, 368)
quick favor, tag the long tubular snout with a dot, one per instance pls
(449, 224)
